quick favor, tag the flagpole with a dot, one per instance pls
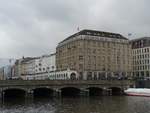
(78, 29)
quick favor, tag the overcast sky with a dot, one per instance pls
(34, 27)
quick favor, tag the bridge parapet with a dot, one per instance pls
(4, 83)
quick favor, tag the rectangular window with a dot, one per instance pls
(81, 66)
(147, 49)
(80, 57)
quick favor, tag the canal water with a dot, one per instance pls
(105, 104)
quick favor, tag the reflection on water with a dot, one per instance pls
(105, 104)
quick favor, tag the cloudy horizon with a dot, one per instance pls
(35, 27)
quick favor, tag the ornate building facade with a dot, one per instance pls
(95, 55)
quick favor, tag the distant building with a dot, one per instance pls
(17, 68)
(7, 71)
(141, 57)
(95, 55)
(24, 66)
(28, 66)
(31, 67)
(2, 73)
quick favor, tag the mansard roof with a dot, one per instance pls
(97, 33)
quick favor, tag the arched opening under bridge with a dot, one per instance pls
(70, 91)
(14, 93)
(116, 91)
(95, 91)
(42, 92)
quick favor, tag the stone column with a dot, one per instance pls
(145, 74)
(105, 92)
(84, 92)
(57, 93)
(139, 74)
(87, 93)
(85, 75)
(92, 75)
(29, 94)
(2, 96)
(109, 92)
(126, 74)
(106, 75)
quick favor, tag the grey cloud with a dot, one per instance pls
(34, 27)
(132, 16)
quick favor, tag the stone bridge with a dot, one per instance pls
(33, 88)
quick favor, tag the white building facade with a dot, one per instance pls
(141, 57)
(38, 68)
(45, 64)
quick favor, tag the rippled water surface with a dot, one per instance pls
(107, 104)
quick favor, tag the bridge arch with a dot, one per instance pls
(70, 86)
(70, 91)
(95, 91)
(11, 93)
(42, 92)
(116, 90)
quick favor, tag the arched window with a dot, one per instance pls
(73, 76)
